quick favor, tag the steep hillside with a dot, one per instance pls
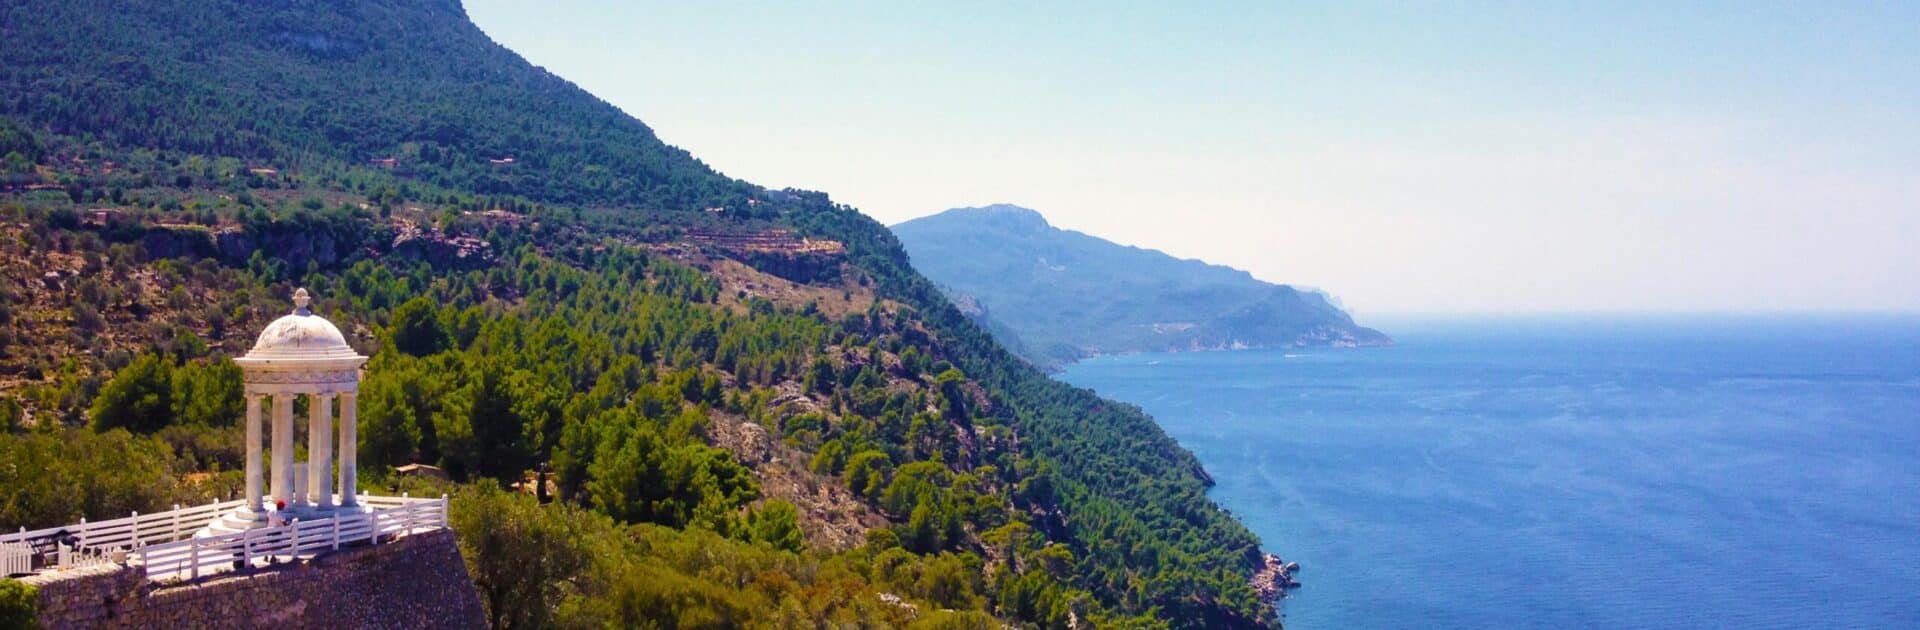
(1067, 295)
(754, 410)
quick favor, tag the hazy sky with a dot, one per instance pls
(1500, 157)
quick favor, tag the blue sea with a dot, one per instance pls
(1566, 472)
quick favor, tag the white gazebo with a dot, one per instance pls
(301, 354)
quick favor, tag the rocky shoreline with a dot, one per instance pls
(1274, 578)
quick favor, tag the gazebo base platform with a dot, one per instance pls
(244, 518)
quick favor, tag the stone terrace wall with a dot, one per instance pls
(415, 582)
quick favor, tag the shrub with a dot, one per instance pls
(138, 398)
(19, 605)
(56, 477)
(417, 329)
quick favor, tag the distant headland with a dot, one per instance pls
(1056, 296)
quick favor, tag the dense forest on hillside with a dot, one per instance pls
(755, 412)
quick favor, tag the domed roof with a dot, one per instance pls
(300, 336)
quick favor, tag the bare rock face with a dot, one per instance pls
(441, 250)
(167, 242)
(831, 516)
(778, 252)
(295, 247)
(792, 400)
(747, 441)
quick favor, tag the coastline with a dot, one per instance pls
(1273, 576)
(1367, 465)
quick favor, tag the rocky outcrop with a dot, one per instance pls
(283, 242)
(176, 241)
(440, 250)
(777, 252)
(1274, 577)
(832, 517)
(805, 268)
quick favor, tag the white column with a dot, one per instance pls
(254, 473)
(349, 446)
(283, 448)
(300, 467)
(320, 451)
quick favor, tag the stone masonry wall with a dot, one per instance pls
(418, 581)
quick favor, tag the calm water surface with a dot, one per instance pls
(1555, 472)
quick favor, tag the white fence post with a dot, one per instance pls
(175, 534)
(295, 529)
(336, 534)
(193, 555)
(443, 510)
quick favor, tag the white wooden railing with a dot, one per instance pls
(165, 546)
(388, 518)
(124, 533)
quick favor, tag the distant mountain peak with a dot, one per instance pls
(1002, 209)
(1003, 215)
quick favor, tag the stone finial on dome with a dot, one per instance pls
(300, 302)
